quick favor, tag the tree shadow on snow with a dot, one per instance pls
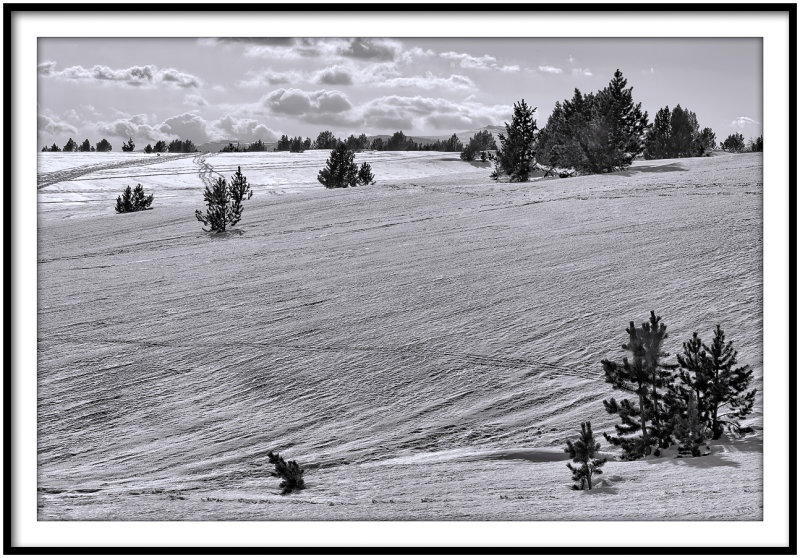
(670, 167)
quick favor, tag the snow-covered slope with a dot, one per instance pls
(423, 346)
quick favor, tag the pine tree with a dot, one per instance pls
(85, 146)
(125, 201)
(642, 375)
(706, 142)
(224, 202)
(340, 170)
(365, 175)
(734, 143)
(103, 145)
(688, 427)
(326, 140)
(516, 152)
(140, 200)
(128, 146)
(148, 148)
(584, 452)
(721, 389)
(54, 148)
(628, 123)
(290, 472)
(70, 146)
(160, 146)
(658, 141)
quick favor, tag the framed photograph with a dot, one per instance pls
(429, 277)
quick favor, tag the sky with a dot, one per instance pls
(244, 89)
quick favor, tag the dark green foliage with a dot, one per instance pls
(135, 200)
(178, 146)
(70, 146)
(53, 148)
(359, 143)
(516, 154)
(85, 147)
(720, 387)
(677, 134)
(688, 428)
(583, 451)
(596, 132)
(128, 146)
(756, 145)
(480, 142)
(642, 375)
(103, 145)
(450, 145)
(377, 144)
(365, 175)
(224, 202)
(734, 143)
(290, 472)
(326, 140)
(340, 170)
(160, 146)
(400, 142)
(256, 146)
(148, 148)
(295, 145)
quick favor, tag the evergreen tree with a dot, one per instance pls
(719, 386)
(103, 145)
(85, 146)
(516, 152)
(290, 472)
(734, 143)
(296, 145)
(643, 375)
(756, 145)
(659, 137)
(148, 148)
(256, 146)
(54, 148)
(469, 152)
(583, 451)
(627, 122)
(325, 140)
(70, 146)
(140, 200)
(365, 175)
(283, 143)
(128, 146)
(307, 144)
(340, 170)
(688, 427)
(224, 202)
(160, 146)
(706, 142)
(133, 200)
(453, 144)
(125, 201)
(400, 142)
(377, 144)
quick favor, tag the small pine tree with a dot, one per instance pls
(148, 148)
(340, 170)
(720, 387)
(365, 175)
(688, 428)
(125, 201)
(516, 154)
(103, 145)
(643, 376)
(70, 146)
(224, 202)
(128, 146)
(734, 143)
(469, 152)
(85, 146)
(583, 451)
(290, 472)
(133, 200)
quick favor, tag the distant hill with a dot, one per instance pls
(215, 146)
(463, 136)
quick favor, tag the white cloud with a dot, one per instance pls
(485, 62)
(742, 122)
(242, 129)
(136, 127)
(187, 126)
(195, 101)
(430, 81)
(581, 72)
(270, 78)
(417, 112)
(296, 102)
(51, 126)
(136, 76)
(550, 70)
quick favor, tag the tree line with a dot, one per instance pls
(174, 146)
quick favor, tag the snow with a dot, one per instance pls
(423, 346)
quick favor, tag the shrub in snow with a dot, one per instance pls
(721, 388)
(365, 175)
(290, 472)
(642, 375)
(583, 452)
(135, 200)
(340, 171)
(224, 202)
(688, 429)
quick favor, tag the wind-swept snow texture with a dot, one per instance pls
(422, 347)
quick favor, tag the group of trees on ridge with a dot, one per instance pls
(174, 146)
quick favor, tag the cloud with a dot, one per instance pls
(243, 129)
(371, 49)
(135, 127)
(46, 68)
(336, 75)
(296, 102)
(195, 101)
(135, 76)
(188, 125)
(430, 81)
(485, 62)
(417, 112)
(550, 70)
(48, 125)
(742, 122)
(364, 49)
(581, 72)
(270, 77)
